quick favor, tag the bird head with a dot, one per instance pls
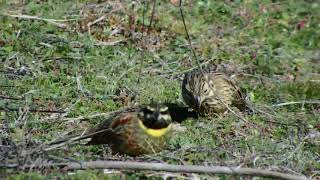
(203, 91)
(155, 116)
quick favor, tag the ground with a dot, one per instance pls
(78, 54)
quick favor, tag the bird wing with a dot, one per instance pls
(239, 99)
(107, 130)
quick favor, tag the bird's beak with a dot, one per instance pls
(198, 101)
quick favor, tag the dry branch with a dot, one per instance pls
(296, 102)
(6, 109)
(51, 21)
(89, 116)
(9, 97)
(110, 43)
(169, 168)
(101, 18)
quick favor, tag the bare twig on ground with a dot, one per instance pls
(66, 112)
(296, 102)
(142, 53)
(101, 18)
(169, 168)
(51, 21)
(177, 74)
(83, 90)
(22, 119)
(110, 43)
(31, 110)
(237, 115)
(86, 117)
(266, 114)
(9, 97)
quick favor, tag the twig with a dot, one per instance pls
(109, 43)
(9, 97)
(152, 14)
(236, 114)
(299, 146)
(107, 114)
(94, 22)
(84, 91)
(30, 110)
(10, 73)
(22, 119)
(67, 111)
(296, 102)
(145, 6)
(143, 46)
(52, 21)
(187, 70)
(86, 117)
(188, 36)
(101, 19)
(6, 86)
(169, 168)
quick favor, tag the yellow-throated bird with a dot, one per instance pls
(134, 131)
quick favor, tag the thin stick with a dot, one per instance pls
(86, 117)
(296, 102)
(101, 19)
(140, 70)
(188, 37)
(145, 6)
(52, 21)
(31, 110)
(110, 43)
(9, 97)
(68, 140)
(143, 42)
(169, 168)
(152, 14)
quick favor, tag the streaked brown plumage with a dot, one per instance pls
(209, 91)
(135, 131)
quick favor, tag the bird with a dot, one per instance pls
(134, 131)
(209, 90)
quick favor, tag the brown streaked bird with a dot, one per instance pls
(209, 91)
(134, 131)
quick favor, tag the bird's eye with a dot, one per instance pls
(165, 112)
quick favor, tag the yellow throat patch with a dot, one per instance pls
(155, 132)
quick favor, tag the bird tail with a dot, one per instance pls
(70, 139)
(78, 137)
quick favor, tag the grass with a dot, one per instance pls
(274, 43)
